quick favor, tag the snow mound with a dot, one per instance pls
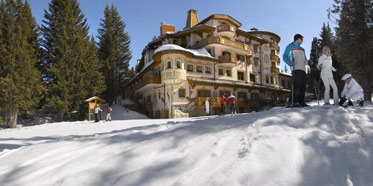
(310, 146)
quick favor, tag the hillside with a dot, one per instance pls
(280, 147)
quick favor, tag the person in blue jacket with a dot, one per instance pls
(295, 57)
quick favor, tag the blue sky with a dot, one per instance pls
(143, 17)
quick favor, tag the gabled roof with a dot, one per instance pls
(222, 17)
(248, 34)
(276, 37)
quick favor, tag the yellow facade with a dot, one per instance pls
(179, 70)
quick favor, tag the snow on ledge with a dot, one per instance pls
(198, 52)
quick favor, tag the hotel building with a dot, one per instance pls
(178, 70)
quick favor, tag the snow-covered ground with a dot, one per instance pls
(281, 147)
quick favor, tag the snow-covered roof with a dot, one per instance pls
(93, 98)
(196, 52)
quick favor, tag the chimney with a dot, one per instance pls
(166, 28)
(192, 19)
(154, 38)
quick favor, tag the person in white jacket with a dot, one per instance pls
(325, 64)
(352, 92)
(207, 106)
(96, 111)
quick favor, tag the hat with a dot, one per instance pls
(346, 76)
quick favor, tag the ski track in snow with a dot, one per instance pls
(280, 147)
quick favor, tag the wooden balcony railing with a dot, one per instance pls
(275, 70)
(276, 58)
(223, 41)
(148, 80)
(227, 59)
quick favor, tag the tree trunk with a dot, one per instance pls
(61, 116)
(12, 123)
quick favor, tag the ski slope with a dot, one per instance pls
(280, 147)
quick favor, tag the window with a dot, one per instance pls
(273, 52)
(229, 72)
(240, 76)
(289, 84)
(256, 60)
(190, 68)
(254, 96)
(240, 57)
(272, 40)
(274, 64)
(203, 93)
(181, 93)
(272, 80)
(255, 47)
(242, 95)
(208, 70)
(267, 79)
(221, 72)
(252, 78)
(178, 64)
(199, 68)
(169, 65)
(283, 84)
(226, 54)
(227, 93)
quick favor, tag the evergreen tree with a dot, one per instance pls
(71, 59)
(313, 78)
(18, 57)
(114, 52)
(354, 39)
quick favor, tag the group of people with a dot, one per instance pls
(295, 57)
(228, 104)
(97, 110)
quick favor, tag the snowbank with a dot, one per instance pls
(280, 147)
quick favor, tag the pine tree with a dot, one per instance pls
(354, 39)
(18, 57)
(71, 59)
(313, 78)
(114, 52)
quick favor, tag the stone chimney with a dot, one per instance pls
(192, 19)
(166, 28)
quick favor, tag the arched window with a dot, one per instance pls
(169, 65)
(178, 64)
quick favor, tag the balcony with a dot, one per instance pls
(276, 58)
(274, 45)
(219, 40)
(227, 60)
(275, 70)
(225, 30)
(148, 80)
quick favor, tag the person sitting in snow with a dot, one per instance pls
(108, 113)
(95, 111)
(352, 92)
